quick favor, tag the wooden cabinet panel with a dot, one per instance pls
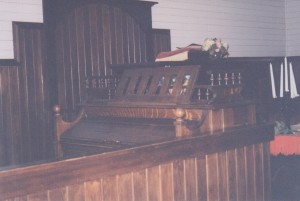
(125, 187)
(191, 185)
(59, 194)
(140, 185)
(93, 190)
(167, 187)
(154, 183)
(110, 189)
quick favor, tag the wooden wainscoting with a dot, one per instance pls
(26, 119)
(229, 166)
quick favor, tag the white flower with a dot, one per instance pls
(225, 45)
(208, 42)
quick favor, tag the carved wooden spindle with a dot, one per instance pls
(98, 82)
(219, 79)
(240, 78)
(87, 83)
(102, 82)
(232, 78)
(199, 94)
(207, 94)
(116, 80)
(58, 128)
(179, 122)
(226, 78)
(94, 82)
(212, 79)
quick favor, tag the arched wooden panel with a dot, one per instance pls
(90, 38)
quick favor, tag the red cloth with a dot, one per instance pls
(286, 145)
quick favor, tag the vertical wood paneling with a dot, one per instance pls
(259, 176)
(74, 61)
(191, 185)
(267, 171)
(59, 194)
(140, 185)
(167, 189)
(93, 191)
(76, 192)
(212, 177)
(161, 40)
(88, 40)
(222, 176)
(217, 120)
(38, 197)
(25, 116)
(106, 37)
(154, 183)
(241, 174)
(93, 43)
(231, 175)
(202, 178)
(119, 27)
(3, 143)
(10, 136)
(81, 57)
(250, 171)
(125, 187)
(179, 180)
(109, 188)
(24, 96)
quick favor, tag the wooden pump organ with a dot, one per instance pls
(182, 132)
(151, 105)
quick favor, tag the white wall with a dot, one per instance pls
(16, 10)
(251, 27)
(293, 27)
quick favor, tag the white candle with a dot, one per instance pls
(293, 86)
(286, 77)
(281, 81)
(272, 81)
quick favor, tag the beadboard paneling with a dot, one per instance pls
(218, 167)
(292, 27)
(25, 118)
(90, 38)
(252, 28)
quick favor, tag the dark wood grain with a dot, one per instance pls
(88, 38)
(167, 182)
(191, 184)
(140, 185)
(25, 117)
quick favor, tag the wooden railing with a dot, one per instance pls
(231, 165)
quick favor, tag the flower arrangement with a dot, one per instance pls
(215, 48)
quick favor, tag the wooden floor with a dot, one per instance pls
(285, 172)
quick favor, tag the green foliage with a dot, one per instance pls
(281, 128)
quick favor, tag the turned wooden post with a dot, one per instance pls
(57, 120)
(62, 126)
(179, 123)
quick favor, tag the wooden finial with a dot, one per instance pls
(56, 109)
(179, 122)
(180, 113)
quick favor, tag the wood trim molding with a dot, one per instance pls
(8, 62)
